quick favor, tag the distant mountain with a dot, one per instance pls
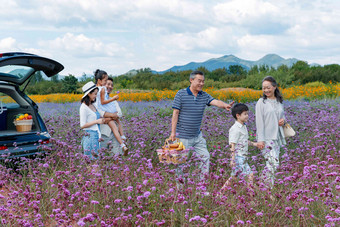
(18, 72)
(273, 60)
(131, 73)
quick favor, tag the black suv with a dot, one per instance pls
(16, 70)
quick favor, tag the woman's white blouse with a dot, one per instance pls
(87, 115)
(267, 120)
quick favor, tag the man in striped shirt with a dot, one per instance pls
(188, 109)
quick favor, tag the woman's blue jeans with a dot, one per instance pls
(90, 143)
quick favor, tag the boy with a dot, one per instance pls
(238, 141)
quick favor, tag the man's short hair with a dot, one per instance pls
(110, 78)
(194, 73)
(239, 108)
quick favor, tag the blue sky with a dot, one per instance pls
(120, 35)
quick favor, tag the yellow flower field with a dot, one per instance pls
(237, 94)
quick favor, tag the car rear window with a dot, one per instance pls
(7, 101)
(16, 71)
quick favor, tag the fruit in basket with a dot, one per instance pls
(25, 116)
(23, 122)
(180, 147)
(174, 145)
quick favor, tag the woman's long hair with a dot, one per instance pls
(277, 92)
(86, 99)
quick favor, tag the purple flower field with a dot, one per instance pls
(66, 189)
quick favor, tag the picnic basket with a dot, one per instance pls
(173, 152)
(23, 125)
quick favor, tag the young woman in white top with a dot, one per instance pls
(269, 121)
(90, 120)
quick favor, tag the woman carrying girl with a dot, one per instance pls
(269, 121)
(105, 103)
(90, 120)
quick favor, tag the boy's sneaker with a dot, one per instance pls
(179, 186)
(123, 137)
(203, 193)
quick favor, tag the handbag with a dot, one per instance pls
(288, 131)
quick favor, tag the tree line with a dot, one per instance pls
(233, 76)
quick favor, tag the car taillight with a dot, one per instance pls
(3, 147)
(45, 142)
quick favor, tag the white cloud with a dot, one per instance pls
(261, 43)
(83, 46)
(8, 44)
(239, 12)
(211, 38)
(126, 34)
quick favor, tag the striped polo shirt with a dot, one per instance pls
(191, 110)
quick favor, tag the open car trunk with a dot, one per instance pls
(15, 70)
(14, 143)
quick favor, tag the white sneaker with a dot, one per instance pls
(124, 149)
(203, 193)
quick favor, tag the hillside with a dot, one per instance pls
(272, 60)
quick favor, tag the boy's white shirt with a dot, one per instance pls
(238, 134)
(104, 128)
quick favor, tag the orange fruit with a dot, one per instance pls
(21, 117)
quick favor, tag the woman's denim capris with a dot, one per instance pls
(90, 143)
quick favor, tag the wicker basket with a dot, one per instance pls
(23, 125)
(172, 155)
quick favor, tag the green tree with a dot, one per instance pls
(236, 70)
(301, 71)
(70, 84)
(203, 69)
(253, 70)
(55, 78)
(125, 83)
(85, 78)
(217, 74)
(283, 68)
(36, 78)
(264, 69)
